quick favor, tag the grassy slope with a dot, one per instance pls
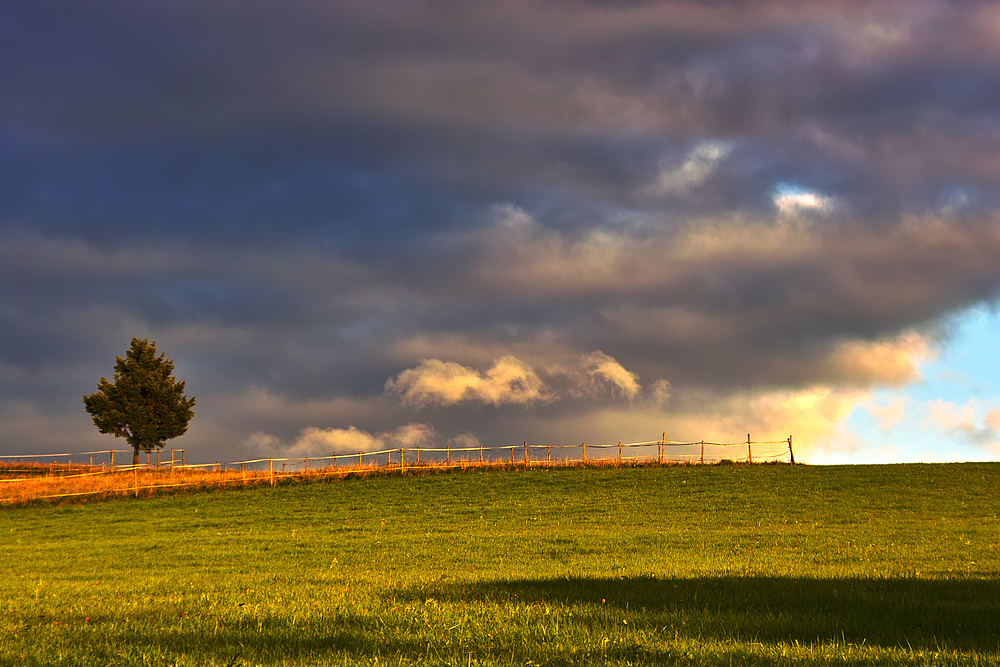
(677, 565)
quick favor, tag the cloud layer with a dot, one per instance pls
(509, 220)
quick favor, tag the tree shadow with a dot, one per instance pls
(650, 621)
(954, 614)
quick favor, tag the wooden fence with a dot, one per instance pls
(176, 459)
(65, 468)
(666, 451)
(661, 451)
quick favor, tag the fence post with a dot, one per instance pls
(619, 451)
(790, 452)
(702, 451)
(157, 459)
(749, 452)
(270, 468)
(241, 467)
(183, 461)
(305, 465)
(147, 458)
(512, 453)
(92, 456)
(418, 456)
(400, 458)
(548, 453)
(526, 452)
(171, 457)
(135, 479)
(112, 466)
(663, 445)
(584, 452)
(480, 452)
(447, 454)
(359, 459)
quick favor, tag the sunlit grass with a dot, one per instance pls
(23, 484)
(895, 565)
(60, 483)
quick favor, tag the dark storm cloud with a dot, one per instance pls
(302, 201)
(305, 113)
(771, 299)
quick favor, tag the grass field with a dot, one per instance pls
(718, 565)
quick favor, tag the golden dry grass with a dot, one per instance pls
(22, 484)
(31, 483)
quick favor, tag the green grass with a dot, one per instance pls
(718, 565)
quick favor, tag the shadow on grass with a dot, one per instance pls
(954, 614)
(648, 620)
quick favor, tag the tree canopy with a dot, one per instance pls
(144, 404)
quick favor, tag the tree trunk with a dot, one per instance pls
(135, 456)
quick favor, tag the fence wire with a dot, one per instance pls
(661, 451)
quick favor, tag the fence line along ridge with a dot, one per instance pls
(25, 471)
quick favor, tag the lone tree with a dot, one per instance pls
(145, 404)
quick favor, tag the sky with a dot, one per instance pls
(355, 225)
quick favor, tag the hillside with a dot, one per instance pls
(645, 565)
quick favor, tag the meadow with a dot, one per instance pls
(629, 565)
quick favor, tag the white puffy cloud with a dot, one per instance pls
(436, 382)
(973, 420)
(890, 413)
(893, 361)
(950, 416)
(596, 371)
(317, 442)
(512, 381)
(314, 441)
(413, 434)
(603, 368)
